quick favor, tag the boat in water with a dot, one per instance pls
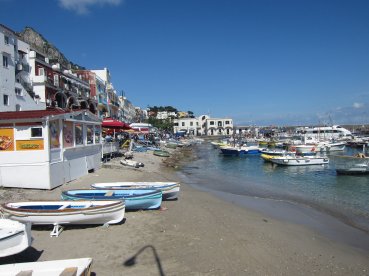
(297, 160)
(15, 237)
(135, 199)
(352, 165)
(170, 190)
(239, 150)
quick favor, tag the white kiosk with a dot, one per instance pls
(44, 149)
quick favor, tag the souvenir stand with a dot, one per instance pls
(44, 149)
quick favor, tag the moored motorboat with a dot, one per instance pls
(170, 190)
(295, 160)
(239, 150)
(75, 267)
(351, 165)
(65, 212)
(135, 199)
(15, 237)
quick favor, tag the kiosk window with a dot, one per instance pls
(36, 132)
(78, 134)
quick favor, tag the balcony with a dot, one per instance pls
(39, 79)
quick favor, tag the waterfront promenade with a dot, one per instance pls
(198, 234)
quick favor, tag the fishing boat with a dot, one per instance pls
(75, 267)
(15, 237)
(161, 153)
(296, 160)
(239, 150)
(59, 213)
(131, 163)
(170, 190)
(351, 165)
(135, 199)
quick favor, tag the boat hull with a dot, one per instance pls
(66, 212)
(15, 237)
(79, 267)
(135, 199)
(299, 161)
(170, 190)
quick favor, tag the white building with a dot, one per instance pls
(204, 125)
(162, 115)
(16, 92)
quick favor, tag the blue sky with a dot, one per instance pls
(257, 61)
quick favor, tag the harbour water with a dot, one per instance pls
(317, 187)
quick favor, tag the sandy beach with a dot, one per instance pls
(198, 234)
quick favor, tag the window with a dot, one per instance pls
(41, 71)
(18, 91)
(211, 123)
(183, 123)
(191, 123)
(90, 134)
(227, 122)
(36, 132)
(6, 40)
(18, 107)
(5, 61)
(78, 130)
(6, 99)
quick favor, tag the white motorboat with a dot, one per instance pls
(65, 212)
(330, 146)
(170, 190)
(75, 267)
(15, 237)
(295, 160)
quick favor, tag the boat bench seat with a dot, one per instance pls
(110, 193)
(25, 273)
(69, 271)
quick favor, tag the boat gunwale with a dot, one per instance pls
(155, 192)
(115, 204)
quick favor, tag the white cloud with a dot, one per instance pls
(358, 105)
(82, 6)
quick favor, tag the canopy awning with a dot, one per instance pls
(114, 124)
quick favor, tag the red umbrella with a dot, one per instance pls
(114, 124)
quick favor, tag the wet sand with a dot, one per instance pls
(199, 234)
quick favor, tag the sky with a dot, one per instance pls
(262, 62)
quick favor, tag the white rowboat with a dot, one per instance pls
(65, 212)
(170, 190)
(75, 267)
(15, 237)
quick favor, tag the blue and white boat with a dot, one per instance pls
(135, 199)
(170, 190)
(239, 150)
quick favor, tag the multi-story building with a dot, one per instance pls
(112, 97)
(98, 91)
(188, 125)
(16, 92)
(162, 115)
(59, 87)
(204, 125)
